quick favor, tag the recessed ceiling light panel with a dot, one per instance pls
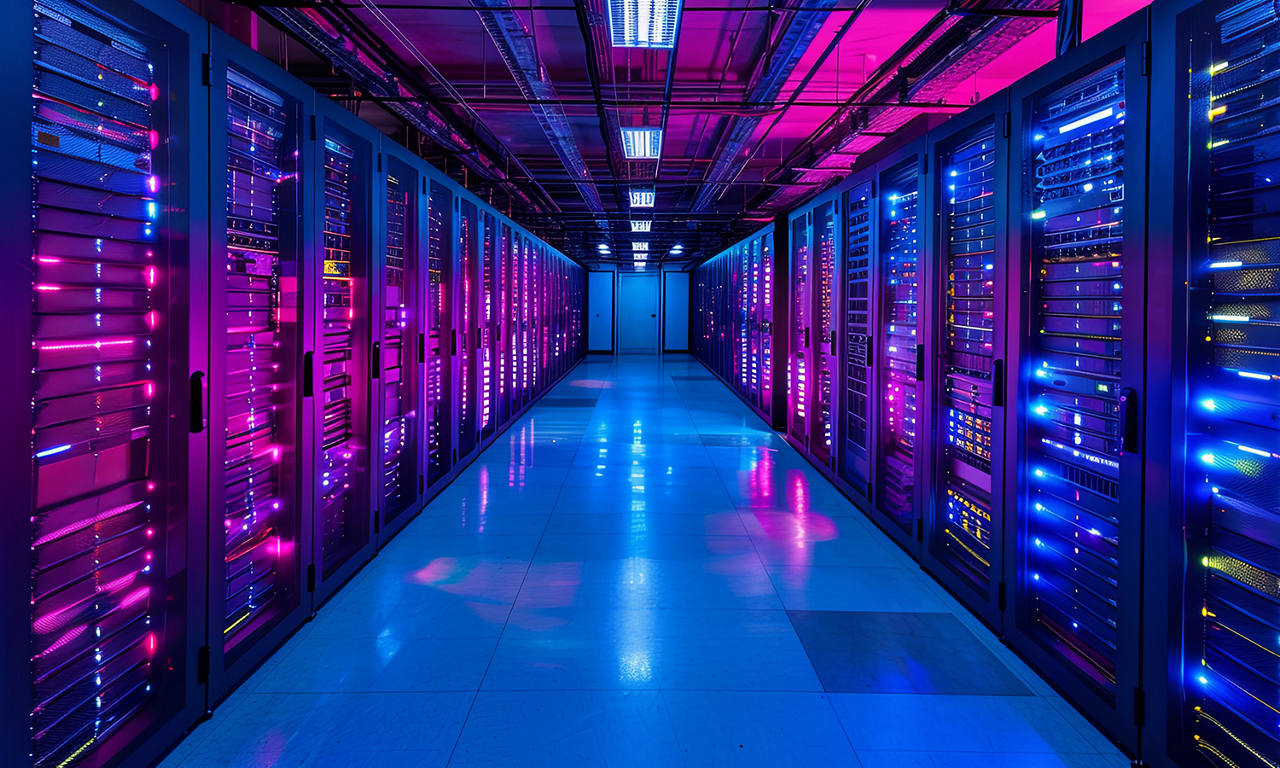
(642, 197)
(644, 23)
(641, 143)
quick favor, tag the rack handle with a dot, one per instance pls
(308, 374)
(375, 360)
(1129, 420)
(197, 403)
(997, 383)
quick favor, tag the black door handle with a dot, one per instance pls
(1128, 420)
(997, 383)
(197, 403)
(375, 360)
(308, 376)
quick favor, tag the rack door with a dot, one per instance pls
(965, 534)
(398, 389)
(1078, 484)
(1230, 686)
(341, 364)
(438, 380)
(898, 350)
(105, 481)
(854, 463)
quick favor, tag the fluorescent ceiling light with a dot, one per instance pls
(641, 226)
(640, 256)
(639, 245)
(644, 23)
(602, 248)
(641, 143)
(638, 266)
(642, 197)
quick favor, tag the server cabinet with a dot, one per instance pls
(516, 323)
(732, 322)
(487, 332)
(101, 573)
(337, 372)
(466, 286)
(899, 350)
(762, 322)
(438, 383)
(259, 538)
(1212, 539)
(399, 343)
(503, 324)
(800, 354)
(826, 235)
(853, 461)
(1078, 203)
(965, 341)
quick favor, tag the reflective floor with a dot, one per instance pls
(640, 573)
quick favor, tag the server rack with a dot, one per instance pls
(439, 383)
(800, 320)
(732, 318)
(898, 318)
(1215, 554)
(1074, 553)
(967, 271)
(400, 343)
(259, 538)
(104, 472)
(826, 236)
(487, 337)
(857, 347)
(338, 368)
(506, 247)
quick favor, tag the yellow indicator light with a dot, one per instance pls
(1219, 143)
(1216, 68)
(1216, 111)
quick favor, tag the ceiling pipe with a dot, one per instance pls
(801, 29)
(515, 44)
(336, 41)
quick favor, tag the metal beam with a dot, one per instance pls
(515, 44)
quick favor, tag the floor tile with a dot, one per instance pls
(648, 649)
(916, 722)
(866, 652)
(567, 728)
(331, 729)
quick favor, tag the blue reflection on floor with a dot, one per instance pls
(609, 584)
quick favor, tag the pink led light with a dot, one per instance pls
(154, 138)
(87, 345)
(48, 287)
(155, 92)
(48, 260)
(150, 276)
(153, 184)
(151, 643)
(149, 389)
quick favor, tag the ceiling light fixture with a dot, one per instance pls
(642, 197)
(639, 245)
(641, 226)
(603, 248)
(641, 143)
(644, 23)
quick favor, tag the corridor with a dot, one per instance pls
(640, 573)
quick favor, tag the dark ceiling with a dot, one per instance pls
(762, 102)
